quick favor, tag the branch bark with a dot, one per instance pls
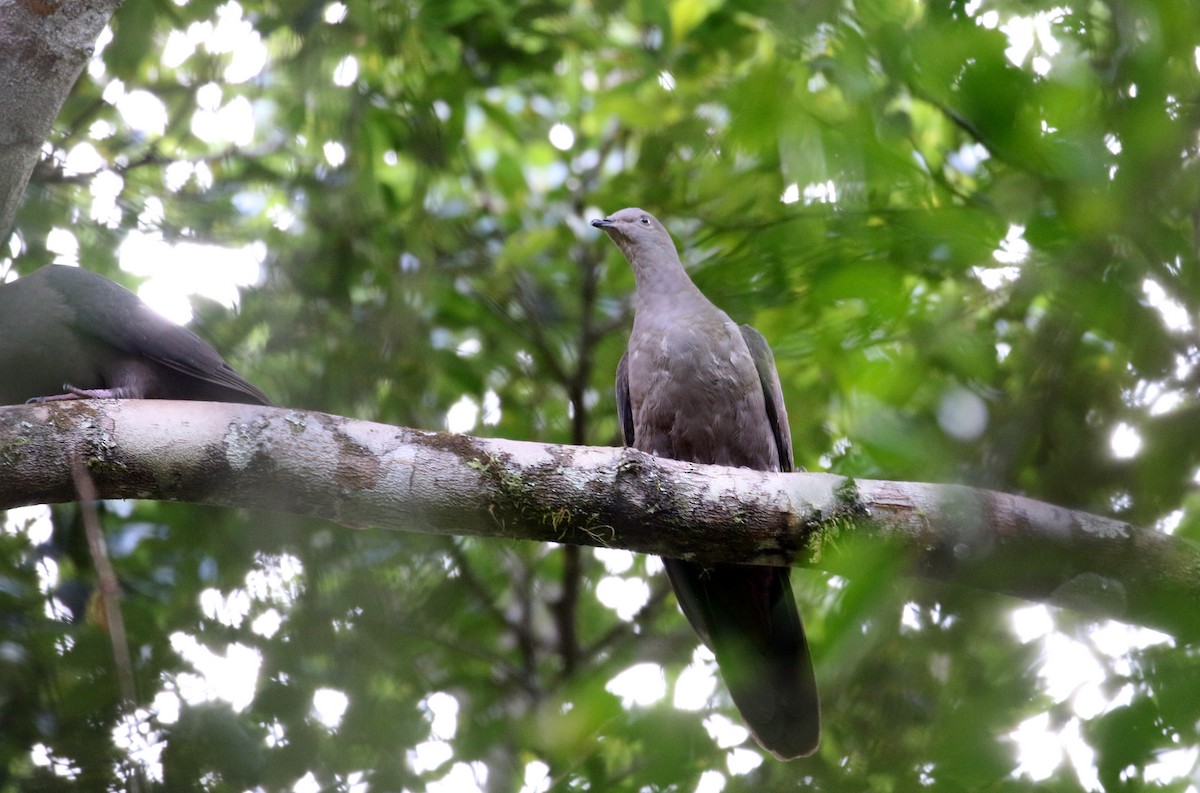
(362, 474)
(44, 46)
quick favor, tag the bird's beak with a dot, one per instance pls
(602, 223)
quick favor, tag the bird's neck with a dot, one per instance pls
(666, 280)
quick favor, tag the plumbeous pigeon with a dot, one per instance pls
(68, 333)
(695, 386)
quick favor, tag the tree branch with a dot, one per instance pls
(363, 474)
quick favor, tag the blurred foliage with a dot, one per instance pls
(969, 230)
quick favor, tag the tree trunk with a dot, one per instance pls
(44, 46)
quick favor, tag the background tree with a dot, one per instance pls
(968, 229)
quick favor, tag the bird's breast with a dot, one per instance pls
(695, 395)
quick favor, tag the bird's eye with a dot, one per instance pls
(645, 220)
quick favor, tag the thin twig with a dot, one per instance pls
(109, 589)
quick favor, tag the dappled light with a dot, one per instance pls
(968, 231)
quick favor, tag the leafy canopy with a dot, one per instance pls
(967, 228)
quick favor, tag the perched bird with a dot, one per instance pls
(67, 333)
(695, 386)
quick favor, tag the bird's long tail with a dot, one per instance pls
(747, 615)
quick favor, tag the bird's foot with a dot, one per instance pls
(73, 392)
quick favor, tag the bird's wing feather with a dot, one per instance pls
(144, 333)
(624, 408)
(764, 362)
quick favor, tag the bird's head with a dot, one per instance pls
(638, 234)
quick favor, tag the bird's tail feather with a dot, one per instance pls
(747, 615)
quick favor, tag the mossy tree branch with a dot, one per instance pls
(363, 474)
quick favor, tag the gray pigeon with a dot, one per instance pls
(68, 333)
(694, 386)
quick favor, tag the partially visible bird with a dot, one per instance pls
(695, 386)
(68, 333)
